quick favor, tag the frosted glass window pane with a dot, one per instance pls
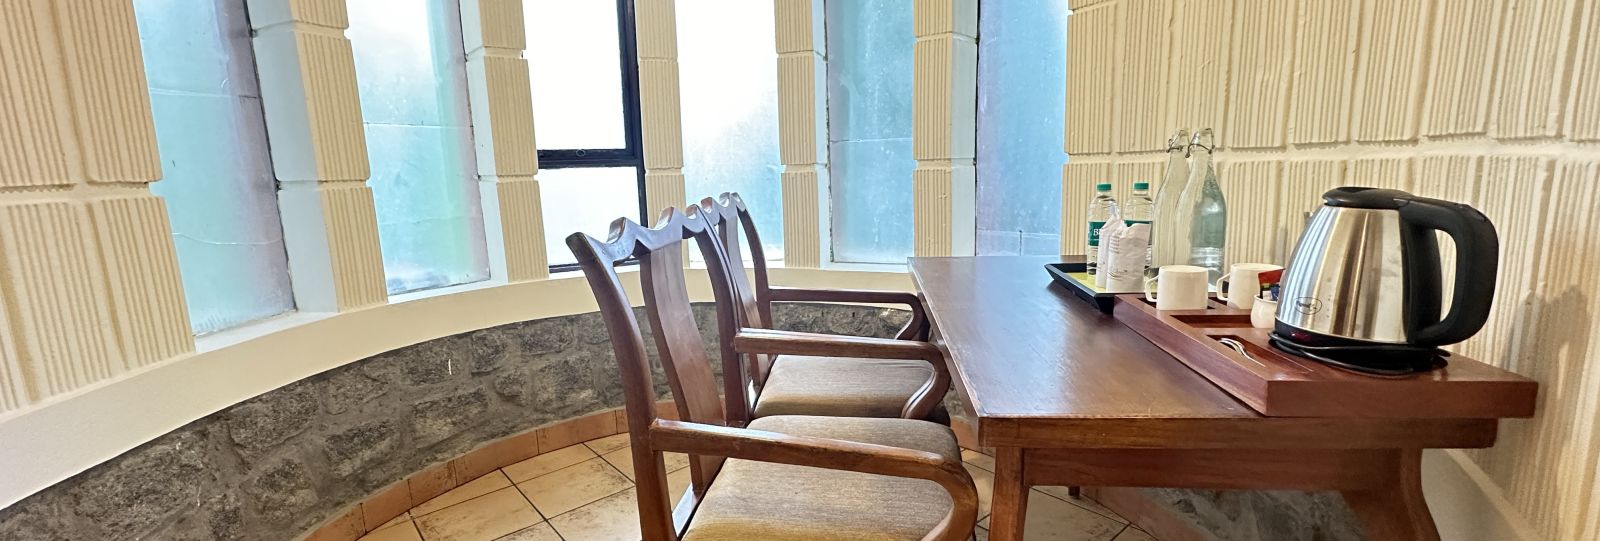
(216, 175)
(574, 65)
(411, 73)
(587, 200)
(869, 129)
(728, 73)
(1022, 60)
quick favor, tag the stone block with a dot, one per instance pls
(434, 420)
(270, 419)
(354, 449)
(134, 492)
(427, 363)
(283, 491)
(348, 388)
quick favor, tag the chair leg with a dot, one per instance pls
(1074, 492)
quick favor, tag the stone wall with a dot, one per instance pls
(276, 465)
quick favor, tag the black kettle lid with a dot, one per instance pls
(1366, 198)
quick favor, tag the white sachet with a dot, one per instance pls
(1122, 257)
(1111, 229)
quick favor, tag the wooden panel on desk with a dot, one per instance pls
(1040, 368)
(1281, 385)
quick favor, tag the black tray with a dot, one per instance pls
(1060, 272)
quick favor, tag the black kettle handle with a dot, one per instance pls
(1477, 255)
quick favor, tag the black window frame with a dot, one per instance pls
(632, 154)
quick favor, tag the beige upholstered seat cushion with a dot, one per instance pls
(760, 500)
(840, 387)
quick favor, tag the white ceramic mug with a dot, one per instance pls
(1263, 313)
(1178, 287)
(1244, 284)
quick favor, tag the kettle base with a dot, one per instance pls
(1368, 358)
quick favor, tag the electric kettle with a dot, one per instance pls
(1363, 291)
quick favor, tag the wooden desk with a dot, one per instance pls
(1069, 396)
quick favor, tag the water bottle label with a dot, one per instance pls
(1094, 232)
(1131, 222)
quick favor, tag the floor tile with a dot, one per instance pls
(613, 518)
(1134, 534)
(537, 532)
(400, 532)
(985, 483)
(548, 462)
(978, 459)
(1082, 501)
(477, 487)
(569, 488)
(623, 460)
(980, 534)
(1050, 519)
(401, 518)
(677, 484)
(608, 443)
(484, 518)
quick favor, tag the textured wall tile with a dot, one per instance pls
(1125, 173)
(931, 204)
(804, 216)
(1388, 76)
(1200, 60)
(1077, 188)
(141, 268)
(1091, 78)
(1532, 74)
(662, 116)
(799, 102)
(493, 24)
(35, 145)
(1251, 190)
(99, 48)
(1515, 195)
(1392, 173)
(656, 24)
(522, 229)
(664, 189)
(502, 114)
(795, 28)
(1301, 194)
(327, 13)
(1324, 54)
(333, 107)
(1583, 117)
(1258, 85)
(13, 389)
(1462, 66)
(56, 296)
(946, 16)
(1141, 88)
(1451, 178)
(352, 230)
(943, 99)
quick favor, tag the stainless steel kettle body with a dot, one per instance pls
(1364, 280)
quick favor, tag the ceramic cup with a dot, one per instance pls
(1263, 313)
(1244, 284)
(1177, 287)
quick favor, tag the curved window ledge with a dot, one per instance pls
(52, 441)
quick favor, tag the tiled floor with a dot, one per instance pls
(585, 493)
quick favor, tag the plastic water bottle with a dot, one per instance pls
(1140, 209)
(1100, 209)
(1202, 198)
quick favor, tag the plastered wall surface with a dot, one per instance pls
(1488, 102)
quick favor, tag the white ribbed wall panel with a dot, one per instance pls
(1253, 233)
(1263, 43)
(1389, 71)
(1091, 79)
(1199, 59)
(1142, 76)
(1462, 66)
(944, 127)
(800, 40)
(1532, 75)
(1324, 55)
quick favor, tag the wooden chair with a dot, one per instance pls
(783, 477)
(800, 383)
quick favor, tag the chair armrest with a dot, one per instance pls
(774, 447)
(774, 342)
(916, 329)
(918, 406)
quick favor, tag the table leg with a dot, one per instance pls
(1010, 503)
(1396, 509)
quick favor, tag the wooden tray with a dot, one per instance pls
(1277, 384)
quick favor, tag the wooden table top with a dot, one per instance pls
(1038, 367)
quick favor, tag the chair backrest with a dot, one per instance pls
(729, 217)
(678, 340)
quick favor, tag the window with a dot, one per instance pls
(869, 129)
(1022, 62)
(728, 70)
(216, 174)
(586, 118)
(411, 72)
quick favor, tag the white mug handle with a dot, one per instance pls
(1221, 280)
(1149, 294)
